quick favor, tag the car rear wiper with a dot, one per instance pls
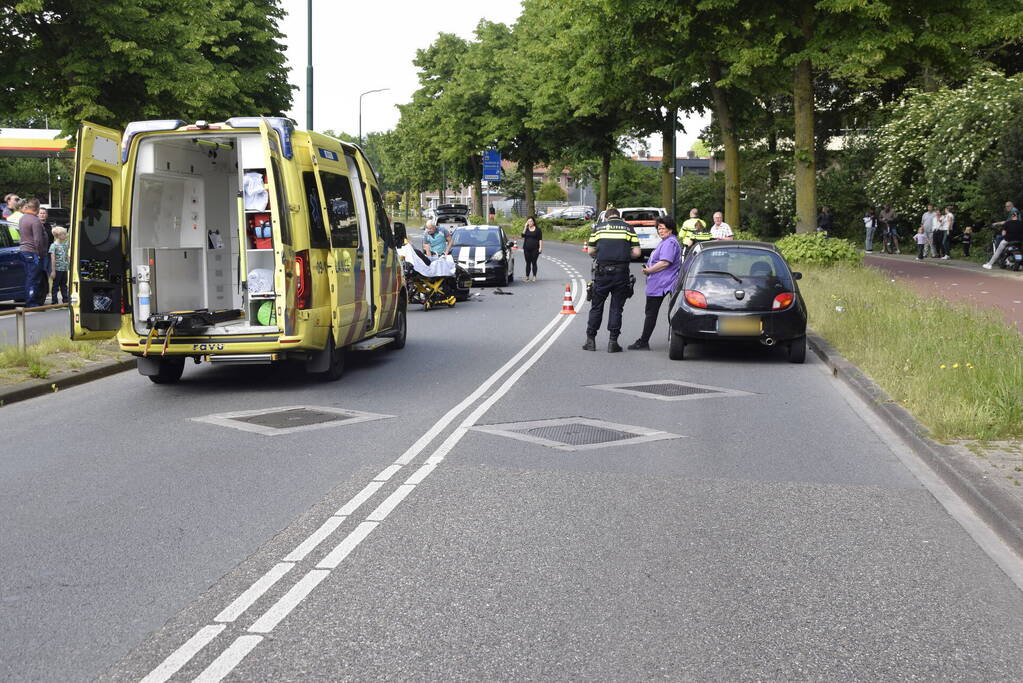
(721, 272)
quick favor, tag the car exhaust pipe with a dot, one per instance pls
(767, 341)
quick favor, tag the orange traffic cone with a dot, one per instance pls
(566, 307)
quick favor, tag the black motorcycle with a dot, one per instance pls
(1012, 257)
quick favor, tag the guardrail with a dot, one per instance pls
(20, 312)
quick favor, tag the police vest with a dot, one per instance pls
(613, 241)
(689, 237)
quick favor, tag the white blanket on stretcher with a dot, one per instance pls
(443, 266)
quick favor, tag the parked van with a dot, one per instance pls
(246, 241)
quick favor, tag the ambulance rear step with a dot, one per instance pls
(371, 344)
(242, 358)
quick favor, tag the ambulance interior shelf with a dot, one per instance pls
(259, 244)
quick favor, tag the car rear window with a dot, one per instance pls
(640, 215)
(741, 263)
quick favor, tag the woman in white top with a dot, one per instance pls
(949, 222)
(941, 234)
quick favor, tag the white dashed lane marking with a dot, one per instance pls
(510, 372)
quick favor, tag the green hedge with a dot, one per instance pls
(816, 249)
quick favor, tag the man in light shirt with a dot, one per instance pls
(927, 222)
(721, 230)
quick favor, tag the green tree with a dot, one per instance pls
(704, 193)
(861, 42)
(551, 191)
(512, 186)
(633, 184)
(114, 61)
(584, 91)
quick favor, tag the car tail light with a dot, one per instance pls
(304, 292)
(695, 299)
(783, 300)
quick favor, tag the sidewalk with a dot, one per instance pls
(959, 281)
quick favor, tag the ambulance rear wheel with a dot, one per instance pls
(170, 371)
(336, 360)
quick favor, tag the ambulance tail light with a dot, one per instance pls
(303, 276)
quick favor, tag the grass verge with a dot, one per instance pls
(956, 368)
(52, 356)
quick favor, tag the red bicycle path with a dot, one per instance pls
(958, 281)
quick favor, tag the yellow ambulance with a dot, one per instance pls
(246, 241)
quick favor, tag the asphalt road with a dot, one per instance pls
(764, 531)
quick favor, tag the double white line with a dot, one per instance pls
(511, 371)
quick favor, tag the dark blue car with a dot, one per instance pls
(12, 270)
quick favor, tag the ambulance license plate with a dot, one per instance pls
(1018, 257)
(745, 326)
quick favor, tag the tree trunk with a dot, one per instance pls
(605, 171)
(723, 114)
(476, 163)
(526, 167)
(668, 161)
(805, 157)
(805, 163)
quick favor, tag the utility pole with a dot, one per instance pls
(674, 164)
(309, 72)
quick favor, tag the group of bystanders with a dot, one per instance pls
(43, 249)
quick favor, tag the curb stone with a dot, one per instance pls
(34, 388)
(998, 509)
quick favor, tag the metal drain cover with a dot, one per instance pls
(576, 433)
(293, 417)
(288, 419)
(670, 390)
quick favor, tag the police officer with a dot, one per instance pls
(612, 245)
(694, 230)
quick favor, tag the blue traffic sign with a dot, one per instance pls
(492, 165)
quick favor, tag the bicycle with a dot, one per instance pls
(890, 239)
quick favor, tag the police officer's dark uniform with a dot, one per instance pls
(611, 243)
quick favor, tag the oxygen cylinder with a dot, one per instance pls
(143, 293)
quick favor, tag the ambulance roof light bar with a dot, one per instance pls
(136, 127)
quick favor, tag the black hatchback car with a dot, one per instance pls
(485, 252)
(734, 291)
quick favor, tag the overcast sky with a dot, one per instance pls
(360, 46)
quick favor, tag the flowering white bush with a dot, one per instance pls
(936, 143)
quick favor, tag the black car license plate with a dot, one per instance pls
(745, 326)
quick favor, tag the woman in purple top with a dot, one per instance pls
(661, 271)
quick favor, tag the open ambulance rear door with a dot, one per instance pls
(99, 250)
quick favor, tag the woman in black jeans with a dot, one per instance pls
(662, 271)
(532, 246)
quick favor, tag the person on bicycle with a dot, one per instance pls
(889, 233)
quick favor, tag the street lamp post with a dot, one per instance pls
(360, 110)
(309, 71)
